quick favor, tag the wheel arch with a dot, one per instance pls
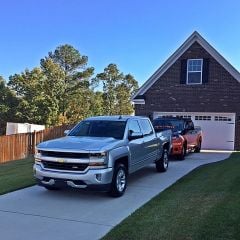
(124, 160)
(167, 146)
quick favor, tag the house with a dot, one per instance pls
(197, 82)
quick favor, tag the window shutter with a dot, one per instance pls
(183, 77)
(205, 71)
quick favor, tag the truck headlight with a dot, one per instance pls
(37, 156)
(98, 159)
(37, 160)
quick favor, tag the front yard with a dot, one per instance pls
(16, 175)
(205, 204)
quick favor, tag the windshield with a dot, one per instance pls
(164, 124)
(161, 125)
(99, 128)
(178, 125)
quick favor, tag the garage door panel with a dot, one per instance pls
(217, 135)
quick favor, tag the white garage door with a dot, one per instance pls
(218, 128)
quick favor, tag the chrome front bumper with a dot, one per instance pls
(92, 178)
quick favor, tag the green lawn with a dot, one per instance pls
(16, 175)
(205, 204)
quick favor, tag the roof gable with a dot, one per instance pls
(195, 37)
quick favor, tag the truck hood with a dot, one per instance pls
(81, 144)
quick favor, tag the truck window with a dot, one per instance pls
(146, 127)
(178, 125)
(99, 128)
(134, 126)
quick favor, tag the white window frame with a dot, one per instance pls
(194, 71)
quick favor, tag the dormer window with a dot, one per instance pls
(194, 71)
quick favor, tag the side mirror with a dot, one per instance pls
(66, 132)
(135, 135)
(190, 128)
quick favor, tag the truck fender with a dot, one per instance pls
(116, 154)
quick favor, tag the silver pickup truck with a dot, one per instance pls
(100, 152)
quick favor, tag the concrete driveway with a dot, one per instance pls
(35, 213)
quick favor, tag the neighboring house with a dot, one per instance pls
(197, 82)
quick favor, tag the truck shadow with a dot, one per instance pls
(142, 174)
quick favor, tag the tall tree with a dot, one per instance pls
(97, 104)
(53, 86)
(76, 75)
(117, 90)
(124, 91)
(110, 78)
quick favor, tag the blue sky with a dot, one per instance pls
(137, 35)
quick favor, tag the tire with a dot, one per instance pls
(198, 147)
(50, 188)
(119, 181)
(183, 153)
(162, 163)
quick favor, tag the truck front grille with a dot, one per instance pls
(65, 166)
(64, 154)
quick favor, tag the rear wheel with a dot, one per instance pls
(198, 147)
(119, 181)
(162, 163)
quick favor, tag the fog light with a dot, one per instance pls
(99, 177)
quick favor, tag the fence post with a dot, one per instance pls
(34, 139)
(29, 143)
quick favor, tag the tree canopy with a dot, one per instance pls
(117, 90)
(63, 89)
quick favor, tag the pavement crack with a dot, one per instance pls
(56, 218)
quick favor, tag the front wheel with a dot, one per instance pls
(119, 181)
(162, 163)
(182, 155)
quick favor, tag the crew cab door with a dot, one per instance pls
(150, 141)
(136, 146)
